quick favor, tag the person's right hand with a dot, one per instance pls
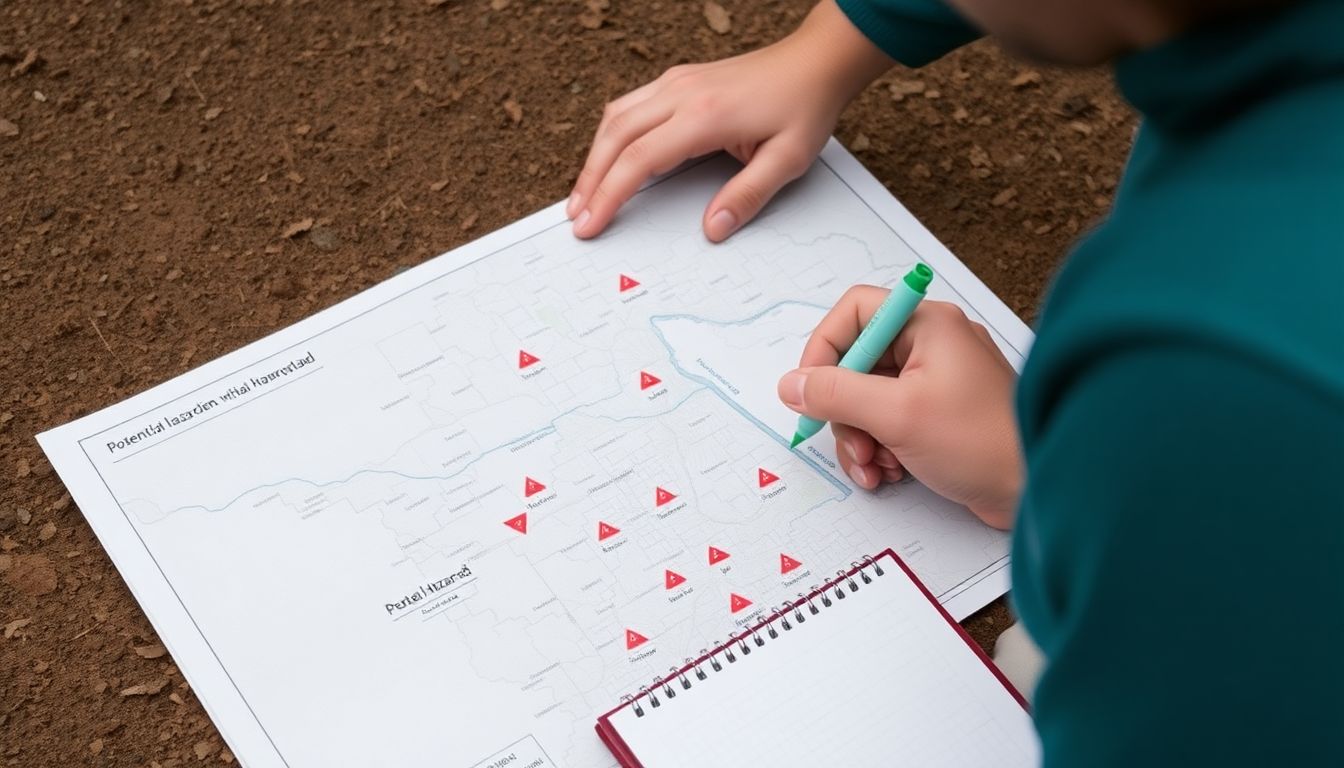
(939, 404)
(772, 109)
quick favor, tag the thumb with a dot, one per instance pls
(863, 400)
(775, 163)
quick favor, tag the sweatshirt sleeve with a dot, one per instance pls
(913, 32)
(1185, 517)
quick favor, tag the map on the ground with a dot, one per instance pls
(451, 520)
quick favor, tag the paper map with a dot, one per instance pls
(450, 520)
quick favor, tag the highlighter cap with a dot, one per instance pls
(919, 278)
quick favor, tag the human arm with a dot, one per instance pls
(913, 32)
(1177, 559)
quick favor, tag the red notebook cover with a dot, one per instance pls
(606, 730)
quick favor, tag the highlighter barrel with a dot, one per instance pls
(877, 335)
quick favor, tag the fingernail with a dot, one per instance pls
(721, 224)
(852, 451)
(581, 220)
(859, 473)
(791, 389)
(572, 205)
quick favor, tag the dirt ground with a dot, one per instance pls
(154, 157)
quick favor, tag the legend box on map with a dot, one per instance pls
(523, 753)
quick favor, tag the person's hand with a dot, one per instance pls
(939, 405)
(772, 109)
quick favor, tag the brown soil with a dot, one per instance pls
(154, 157)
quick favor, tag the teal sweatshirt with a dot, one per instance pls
(1179, 550)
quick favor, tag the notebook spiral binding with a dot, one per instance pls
(681, 677)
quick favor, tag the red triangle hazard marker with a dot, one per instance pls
(787, 563)
(717, 555)
(647, 380)
(672, 579)
(531, 487)
(605, 531)
(518, 523)
(525, 359)
(661, 496)
(765, 477)
(633, 639)
(628, 282)
(738, 602)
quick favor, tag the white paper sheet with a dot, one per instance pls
(878, 678)
(316, 523)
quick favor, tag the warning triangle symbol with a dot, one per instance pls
(661, 496)
(531, 487)
(787, 563)
(647, 380)
(605, 531)
(765, 477)
(738, 602)
(525, 359)
(633, 639)
(717, 555)
(673, 579)
(518, 523)
(628, 282)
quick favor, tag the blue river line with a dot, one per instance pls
(548, 429)
(844, 490)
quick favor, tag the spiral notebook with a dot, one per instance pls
(864, 670)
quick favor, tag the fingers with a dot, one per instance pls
(855, 450)
(854, 444)
(619, 105)
(619, 128)
(888, 464)
(658, 151)
(874, 404)
(884, 458)
(841, 326)
(866, 476)
(863, 459)
(774, 163)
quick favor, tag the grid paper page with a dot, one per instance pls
(879, 678)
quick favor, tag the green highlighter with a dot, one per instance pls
(877, 335)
